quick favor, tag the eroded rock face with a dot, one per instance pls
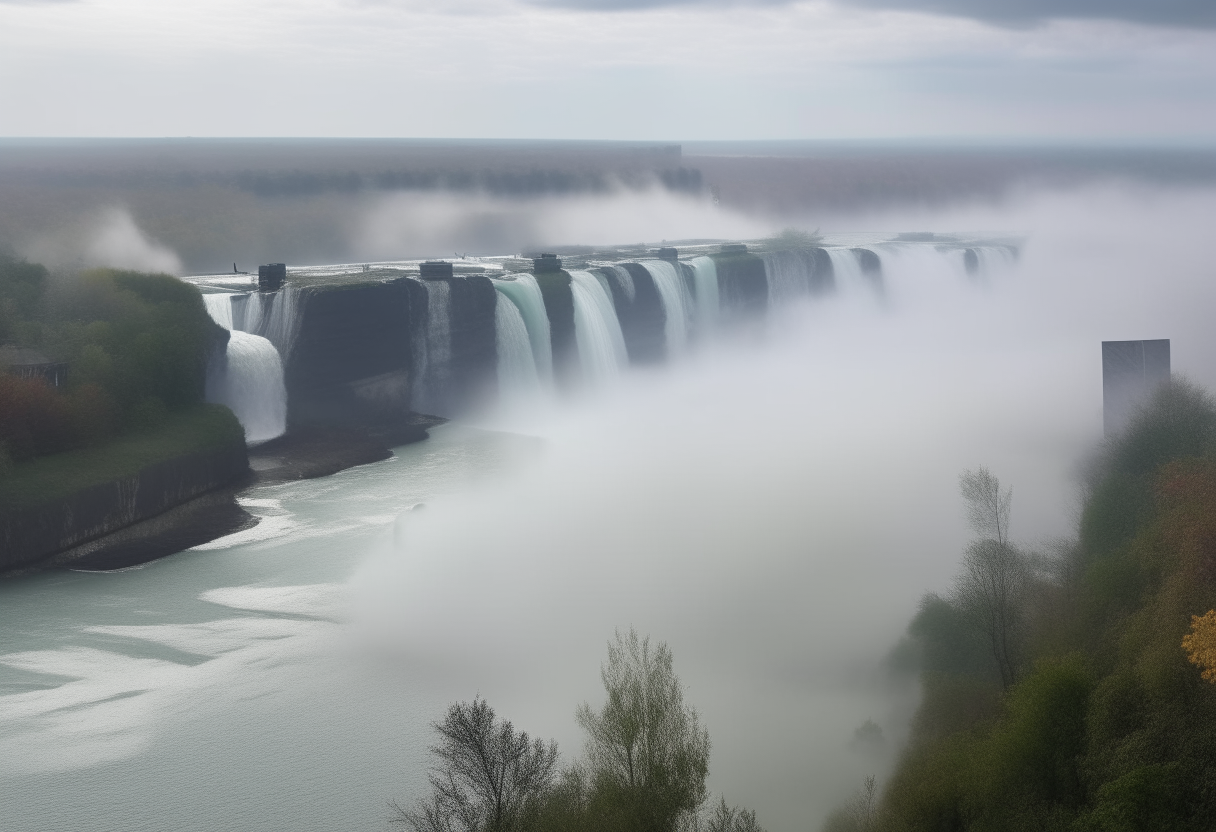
(354, 351)
(559, 307)
(473, 367)
(30, 535)
(742, 286)
(361, 350)
(639, 308)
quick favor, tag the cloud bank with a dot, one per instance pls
(1187, 13)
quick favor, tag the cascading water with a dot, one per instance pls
(982, 260)
(601, 346)
(705, 280)
(847, 268)
(434, 364)
(518, 379)
(789, 276)
(280, 321)
(249, 380)
(523, 291)
(672, 293)
(219, 307)
(623, 280)
(271, 315)
(248, 377)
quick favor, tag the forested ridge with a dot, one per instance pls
(1074, 690)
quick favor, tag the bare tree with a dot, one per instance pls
(731, 819)
(987, 506)
(992, 586)
(645, 745)
(486, 776)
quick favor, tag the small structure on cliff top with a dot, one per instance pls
(27, 363)
(1131, 372)
(546, 264)
(271, 276)
(435, 270)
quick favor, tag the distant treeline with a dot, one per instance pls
(644, 768)
(135, 347)
(1074, 691)
(508, 182)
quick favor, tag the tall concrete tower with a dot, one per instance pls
(1131, 372)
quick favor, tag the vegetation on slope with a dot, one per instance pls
(36, 482)
(644, 768)
(136, 346)
(1101, 712)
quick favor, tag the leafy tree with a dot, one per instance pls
(487, 777)
(1200, 644)
(645, 748)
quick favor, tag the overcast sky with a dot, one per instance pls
(1121, 70)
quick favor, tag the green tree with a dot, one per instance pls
(647, 753)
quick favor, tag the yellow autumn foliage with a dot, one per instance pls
(1200, 644)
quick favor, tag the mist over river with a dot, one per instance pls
(772, 507)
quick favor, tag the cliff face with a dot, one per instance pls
(29, 535)
(473, 362)
(742, 286)
(360, 351)
(559, 307)
(354, 349)
(640, 311)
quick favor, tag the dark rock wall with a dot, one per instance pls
(823, 274)
(30, 535)
(742, 286)
(473, 374)
(559, 307)
(353, 352)
(871, 266)
(642, 317)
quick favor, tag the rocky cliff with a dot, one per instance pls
(31, 534)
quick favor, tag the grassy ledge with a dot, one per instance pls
(201, 428)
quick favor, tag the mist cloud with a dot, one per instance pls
(119, 243)
(109, 238)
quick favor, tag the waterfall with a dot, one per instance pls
(273, 315)
(433, 370)
(248, 377)
(623, 279)
(789, 275)
(517, 376)
(705, 279)
(671, 292)
(280, 323)
(523, 291)
(981, 260)
(846, 265)
(601, 346)
(219, 307)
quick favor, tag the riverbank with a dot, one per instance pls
(306, 453)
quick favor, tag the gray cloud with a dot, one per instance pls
(1187, 13)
